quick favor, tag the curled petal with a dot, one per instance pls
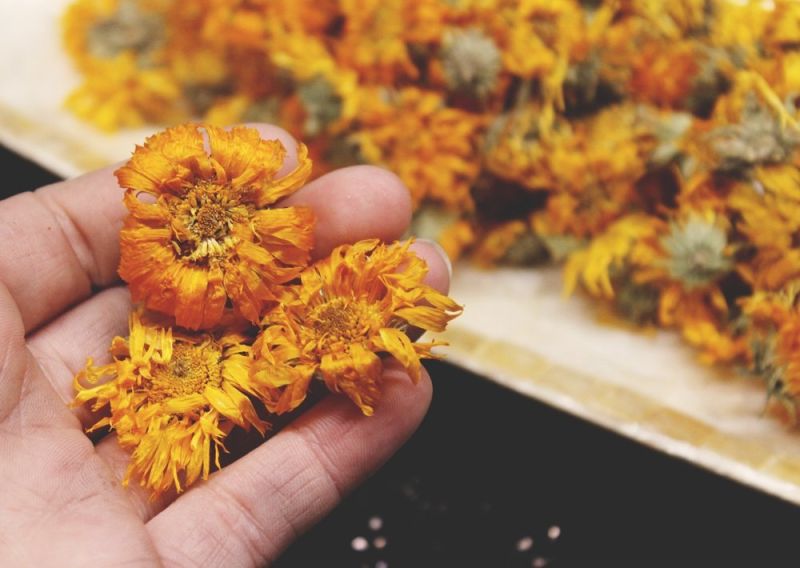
(356, 374)
(400, 347)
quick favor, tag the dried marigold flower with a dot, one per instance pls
(758, 138)
(172, 398)
(120, 48)
(209, 240)
(348, 309)
(497, 244)
(775, 339)
(614, 249)
(664, 75)
(373, 42)
(766, 210)
(433, 148)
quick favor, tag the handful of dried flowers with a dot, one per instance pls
(234, 321)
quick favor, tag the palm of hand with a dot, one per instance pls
(61, 502)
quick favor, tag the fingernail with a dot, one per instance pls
(438, 248)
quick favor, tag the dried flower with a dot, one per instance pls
(209, 239)
(664, 76)
(349, 308)
(697, 252)
(172, 398)
(653, 145)
(759, 138)
(373, 40)
(433, 148)
(592, 265)
(117, 93)
(98, 30)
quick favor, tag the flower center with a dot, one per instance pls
(210, 222)
(190, 369)
(343, 319)
(205, 219)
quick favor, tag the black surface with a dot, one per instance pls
(490, 469)
(20, 175)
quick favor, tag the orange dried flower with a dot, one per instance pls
(662, 76)
(209, 240)
(373, 40)
(349, 308)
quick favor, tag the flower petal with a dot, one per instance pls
(356, 374)
(400, 347)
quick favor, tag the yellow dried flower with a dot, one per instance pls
(495, 245)
(457, 238)
(768, 210)
(433, 148)
(117, 93)
(172, 398)
(373, 40)
(349, 308)
(592, 265)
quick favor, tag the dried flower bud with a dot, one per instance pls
(759, 138)
(471, 62)
(669, 130)
(696, 252)
(322, 104)
(128, 29)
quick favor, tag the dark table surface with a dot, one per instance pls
(495, 479)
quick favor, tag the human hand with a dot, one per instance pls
(61, 500)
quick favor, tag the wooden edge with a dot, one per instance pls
(54, 150)
(626, 412)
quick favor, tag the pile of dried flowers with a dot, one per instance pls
(233, 321)
(650, 145)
